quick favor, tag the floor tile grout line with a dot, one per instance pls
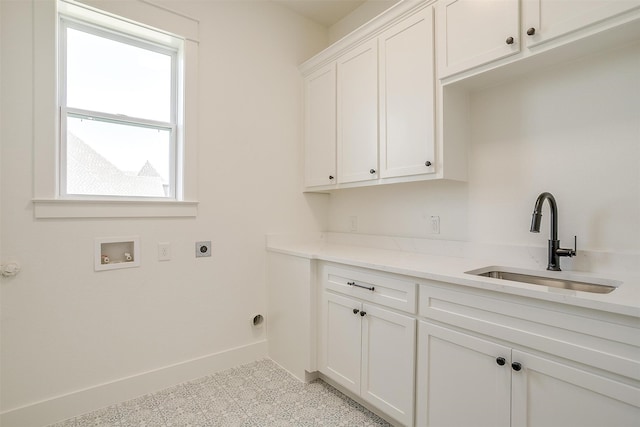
(202, 410)
(238, 403)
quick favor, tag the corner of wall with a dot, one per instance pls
(369, 10)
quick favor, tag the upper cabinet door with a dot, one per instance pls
(320, 127)
(358, 114)
(545, 20)
(407, 112)
(475, 32)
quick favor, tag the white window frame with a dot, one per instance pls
(66, 111)
(142, 20)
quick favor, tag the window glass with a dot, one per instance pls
(118, 115)
(114, 159)
(117, 78)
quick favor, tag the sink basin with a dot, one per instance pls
(560, 280)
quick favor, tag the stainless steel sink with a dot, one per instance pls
(555, 280)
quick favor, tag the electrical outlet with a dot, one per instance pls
(203, 249)
(164, 251)
(353, 223)
(435, 225)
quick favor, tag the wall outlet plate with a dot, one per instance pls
(164, 251)
(435, 225)
(203, 249)
(353, 223)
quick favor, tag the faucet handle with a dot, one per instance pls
(569, 252)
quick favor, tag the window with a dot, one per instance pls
(155, 33)
(118, 114)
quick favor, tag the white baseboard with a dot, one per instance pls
(90, 399)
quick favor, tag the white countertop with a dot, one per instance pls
(451, 268)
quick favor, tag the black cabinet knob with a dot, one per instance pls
(501, 361)
(330, 176)
(510, 40)
(363, 313)
(427, 163)
(355, 311)
(516, 366)
(531, 31)
(372, 171)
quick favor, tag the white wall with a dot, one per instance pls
(65, 327)
(369, 10)
(572, 130)
(403, 209)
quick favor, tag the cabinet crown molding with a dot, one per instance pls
(364, 33)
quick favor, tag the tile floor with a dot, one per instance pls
(257, 394)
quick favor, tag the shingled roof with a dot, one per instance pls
(89, 173)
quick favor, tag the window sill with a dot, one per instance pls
(66, 208)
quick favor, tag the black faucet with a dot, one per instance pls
(555, 251)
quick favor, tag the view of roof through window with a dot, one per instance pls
(119, 112)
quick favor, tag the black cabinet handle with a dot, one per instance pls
(369, 288)
(427, 163)
(510, 40)
(330, 176)
(501, 361)
(531, 31)
(372, 171)
(355, 311)
(516, 366)
(363, 313)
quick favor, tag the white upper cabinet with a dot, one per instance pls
(407, 98)
(475, 32)
(387, 122)
(376, 112)
(545, 20)
(357, 117)
(320, 127)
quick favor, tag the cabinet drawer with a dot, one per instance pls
(388, 290)
(602, 340)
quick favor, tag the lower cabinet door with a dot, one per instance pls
(463, 380)
(341, 340)
(388, 348)
(549, 394)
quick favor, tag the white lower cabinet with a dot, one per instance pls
(342, 344)
(370, 351)
(466, 380)
(459, 381)
(548, 393)
(480, 358)
(388, 355)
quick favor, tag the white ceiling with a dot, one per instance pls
(325, 12)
